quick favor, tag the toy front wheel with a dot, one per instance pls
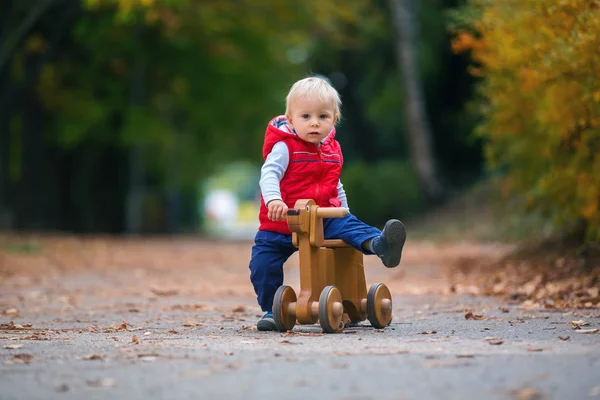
(331, 309)
(379, 306)
(284, 318)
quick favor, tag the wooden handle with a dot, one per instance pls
(332, 212)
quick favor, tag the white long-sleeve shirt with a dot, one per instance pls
(273, 170)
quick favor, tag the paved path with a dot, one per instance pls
(139, 329)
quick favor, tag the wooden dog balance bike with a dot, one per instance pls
(333, 289)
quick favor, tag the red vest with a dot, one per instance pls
(313, 173)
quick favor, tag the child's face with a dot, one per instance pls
(311, 119)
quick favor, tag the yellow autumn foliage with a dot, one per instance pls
(540, 88)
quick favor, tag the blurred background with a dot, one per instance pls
(147, 116)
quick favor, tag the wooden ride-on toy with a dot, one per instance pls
(333, 289)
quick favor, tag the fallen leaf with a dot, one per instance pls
(11, 311)
(92, 357)
(470, 315)
(494, 340)
(134, 339)
(291, 333)
(121, 327)
(12, 346)
(564, 338)
(580, 323)
(465, 356)
(188, 324)
(11, 325)
(534, 349)
(285, 341)
(228, 353)
(239, 309)
(427, 332)
(587, 331)
(21, 359)
(106, 382)
(164, 292)
(172, 331)
(150, 356)
(527, 394)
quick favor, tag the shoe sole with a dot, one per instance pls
(394, 234)
(266, 325)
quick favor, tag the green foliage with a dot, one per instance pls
(166, 75)
(378, 192)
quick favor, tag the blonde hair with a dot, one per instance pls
(314, 88)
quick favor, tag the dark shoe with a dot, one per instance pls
(389, 245)
(266, 323)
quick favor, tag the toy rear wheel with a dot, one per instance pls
(379, 306)
(331, 310)
(284, 319)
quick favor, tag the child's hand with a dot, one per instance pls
(277, 210)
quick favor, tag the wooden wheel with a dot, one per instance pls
(285, 319)
(379, 306)
(331, 309)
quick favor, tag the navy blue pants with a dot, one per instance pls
(272, 249)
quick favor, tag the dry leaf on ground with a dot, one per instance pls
(494, 340)
(470, 315)
(579, 323)
(164, 292)
(527, 394)
(189, 324)
(106, 382)
(21, 359)
(92, 357)
(587, 331)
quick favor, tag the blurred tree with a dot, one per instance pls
(374, 128)
(418, 130)
(135, 98)
(540, 97)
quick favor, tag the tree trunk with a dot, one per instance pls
(135, 195)
(33, 172)
(414, 106)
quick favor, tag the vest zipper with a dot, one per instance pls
(320, 171)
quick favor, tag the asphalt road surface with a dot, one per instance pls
(176, 320)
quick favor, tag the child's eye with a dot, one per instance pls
(323, 116)
(305, 116)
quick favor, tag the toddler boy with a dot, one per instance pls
(304, 161)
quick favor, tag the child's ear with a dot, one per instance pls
(289, 118)
(335, 118)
